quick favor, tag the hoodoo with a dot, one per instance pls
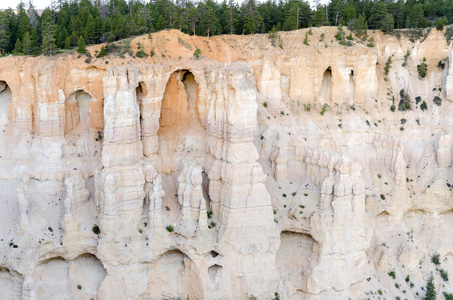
(311, 169)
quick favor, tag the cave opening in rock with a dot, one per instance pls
(293, 258)
(325, 95)
(55, 278)
(5, 100)
(181, 133)
(10, 284)
(140, 92)
(77, 109)
(173, 275)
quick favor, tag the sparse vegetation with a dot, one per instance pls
(437, 100)
(423, 106)
(306, 39)
(102, 53)
(96, 229)
(324, 109)
(391, 273)
(197, 53)
(422, 68)
(435, 259)
(212, 225)
(448, 296)
(141, 53)
(388, 65)
(430, 290)
(443, 274)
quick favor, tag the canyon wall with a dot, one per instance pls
(256, 171)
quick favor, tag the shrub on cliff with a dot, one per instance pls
(430, 290)
(102, 53)
(388, 65)
(441, 22)
(141, 53)
(306, 39)
(197, 53)
(422, 68)
(437, 100)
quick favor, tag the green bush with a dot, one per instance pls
(141, 53)
(443, 274)
(435, 259)
(422, 68)
(323, 110)
(340, 34)
(423, 106)
(383, 198)
(197, 53)
(96, 229)
(448, 296)
(170, 228)
(102, 53)
(441, 22)
(437, 100)
(430, 290)
(392, 273)
(388, 65)
(306, 39)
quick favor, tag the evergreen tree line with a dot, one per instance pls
(68, 23)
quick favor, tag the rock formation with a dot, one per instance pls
(253, 172)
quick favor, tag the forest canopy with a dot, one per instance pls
(66, 24)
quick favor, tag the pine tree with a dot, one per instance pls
(67, 43)
(193, 17)
(231, 19)
(209, 19)
(360, 26)
(26, 44)
(387, 23)
(24, 25)
(18, 47)
(4, 32)
(81, 45)
(161, 24)
(48, 34)
(253, 19)
(319, 19)
(90, 30)
(377, 15)
(349, 14)
(34, 41)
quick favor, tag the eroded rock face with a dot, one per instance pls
(252, 171)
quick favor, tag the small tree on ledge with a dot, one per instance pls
(81, 46)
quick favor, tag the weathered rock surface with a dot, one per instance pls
(252, 171)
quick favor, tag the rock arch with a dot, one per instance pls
(173, 275)
(77, 110)
(181, 133)
(6, 97)
(293, 259)
(10, 284)
(55, 278)
(325, 94)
